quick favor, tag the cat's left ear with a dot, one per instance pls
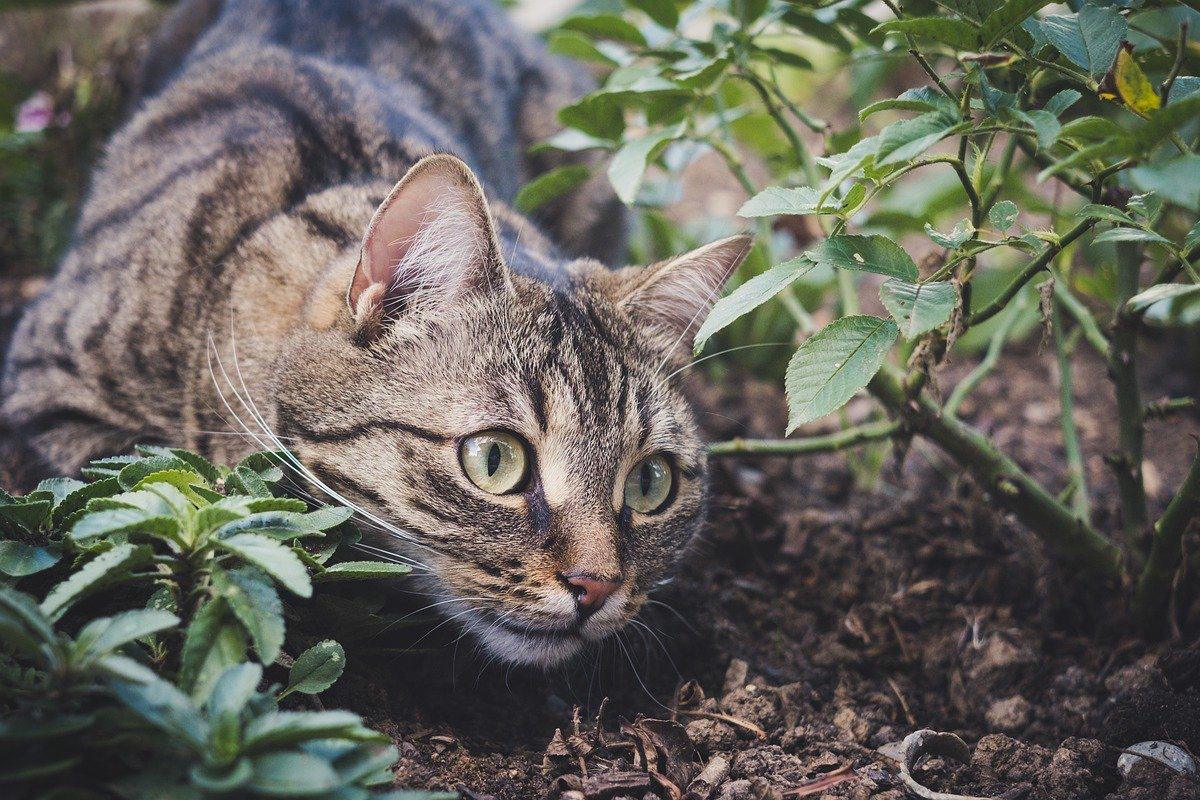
(674, 296)
(430, 242)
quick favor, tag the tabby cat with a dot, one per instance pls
(499, 405)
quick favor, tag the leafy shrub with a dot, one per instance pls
(1017, 112)
(163, 693)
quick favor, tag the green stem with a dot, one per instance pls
(1076, 470)
(988, 363)
(1083, 318)
(1032, 268)
(1169, 405)
(1127, 461)
(826, 443)
(1153, 591)
(1068, 539)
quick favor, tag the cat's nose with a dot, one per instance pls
(590, 591)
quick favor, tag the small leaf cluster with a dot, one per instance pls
(164, 692)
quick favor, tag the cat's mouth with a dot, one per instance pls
(530, 644)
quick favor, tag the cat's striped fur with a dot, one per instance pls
(219, 268)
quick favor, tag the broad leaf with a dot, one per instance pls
(628, 166)
(95, 574)
(907, 139)
(1003, 215)
(550, 186)
(1164, 291)
(827, 370)
(1089, 39)
(1000, 22)
(101, 636)
(605, 26)
(1131, 235)
(750, 295)
(874, 253)
(663, 12)
(255, 603)
(18, 559)
(956, 238)
(316, 669)
(1133, 87)
(361, 570)
(918, 307)
(163, 706)
(777, 201)
(213, 643)
(1099, 211)
(292, 775)
(945, 30)
(273, 558)
(283, 728)
(122, 520)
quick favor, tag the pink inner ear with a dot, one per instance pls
(395, 226)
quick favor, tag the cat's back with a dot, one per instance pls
(251, 109)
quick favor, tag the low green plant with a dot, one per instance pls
(1017, 112)
(140, 671)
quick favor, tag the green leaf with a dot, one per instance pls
(316, 669)
(605, 26)
(282, 728)
(956, 238)
(19, 611)
(246, 481)
(750, 295)
(102, 636)
(271, 557)
(1003, 215)
(581, 47)
(27, 514)
(1000, 22)
(907, 139)
(945, 30)
(292, 775)
(1089, 39)
(596, 114)
(211, 645)
(1164, 291)
(1131, 235)
(133, 474)
(327, 517)
(79, 498)
(873, 253)
(163, 706)
(1193, 237)
(1145, 205)
(1061, 101)
(60, 487)
(361, 570)
(628, 166)
(122, 520)
(776, 201)
(833, 364)
(663, 12)
(18, 559)
(95, 574)
(255, 603)
(1098, 211)
(550, 186)
(918, 307)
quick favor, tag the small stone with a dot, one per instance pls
(711, 736)
(855, 728)
(1010, 715)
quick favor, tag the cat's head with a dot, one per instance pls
(525, 440)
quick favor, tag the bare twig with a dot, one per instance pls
(1166, 552)
(826, 443)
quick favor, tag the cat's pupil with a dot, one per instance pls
(493, 459)
(644, 479)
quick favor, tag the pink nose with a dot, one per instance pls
(590, 592)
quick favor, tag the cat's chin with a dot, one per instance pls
(531, 649)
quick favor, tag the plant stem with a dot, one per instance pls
(1076, 470)
(1164, 88)
(1068, 539)
(1084, 318)
(1032, 268)
(1168, 406)
(1154, 585)
(1127, 461)
(825, 443)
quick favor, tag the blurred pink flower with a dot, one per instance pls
(37, 114)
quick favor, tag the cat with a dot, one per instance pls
(500, 405)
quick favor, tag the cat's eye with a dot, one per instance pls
(648, 485)
(495, 461)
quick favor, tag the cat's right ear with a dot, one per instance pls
(429, 243)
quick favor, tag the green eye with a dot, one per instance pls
(648, 485)
(495, 461)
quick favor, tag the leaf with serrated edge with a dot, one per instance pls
(271, 557)
(918, 307)
(750, 295)
(317, 668)
(833, 364)
(873, 253)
